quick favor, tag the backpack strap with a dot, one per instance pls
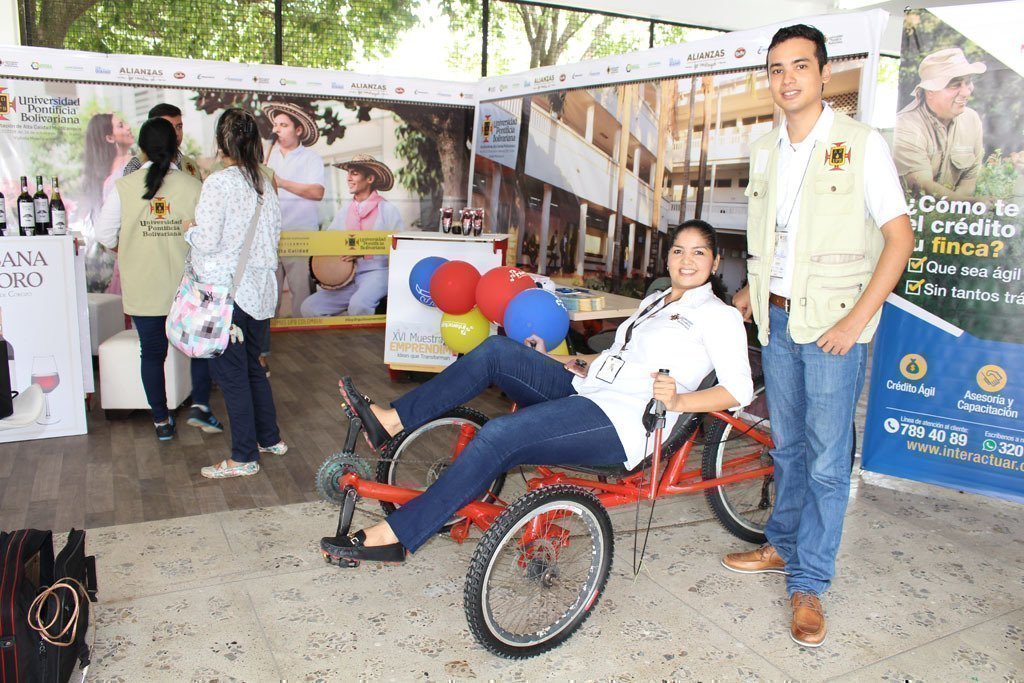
(16, 550)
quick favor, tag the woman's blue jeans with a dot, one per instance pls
(812, 396)
(553, 426)
(153, 353)
(246, 389)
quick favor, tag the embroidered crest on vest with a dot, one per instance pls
(159, 207)
(837, 156)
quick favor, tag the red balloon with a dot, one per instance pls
(497, 287)
(453, 287)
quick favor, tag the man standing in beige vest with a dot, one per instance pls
(828, 237)
(938, 141)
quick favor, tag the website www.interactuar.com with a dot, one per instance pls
(955, 453)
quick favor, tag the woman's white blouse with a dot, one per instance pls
(225, 210)
(689, 337)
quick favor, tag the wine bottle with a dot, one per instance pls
(58, 214)
(3, 216)
(7, 349)
(26, 211)
(42, 205)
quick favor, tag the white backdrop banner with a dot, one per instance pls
(41, 322)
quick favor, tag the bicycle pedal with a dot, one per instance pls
(342, 562)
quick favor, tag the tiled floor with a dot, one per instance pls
(930, 587)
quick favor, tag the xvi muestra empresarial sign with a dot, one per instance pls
(947, 385)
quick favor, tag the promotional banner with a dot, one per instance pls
(413, 335)
(40, 314)
(355, 157)
(946, 380)
(589, 164)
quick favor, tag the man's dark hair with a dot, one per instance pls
(802, 31)
(164, 109)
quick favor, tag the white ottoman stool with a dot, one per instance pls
(121, 381)
(106, 318)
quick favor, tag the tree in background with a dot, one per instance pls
(316, 33)
(552, 36)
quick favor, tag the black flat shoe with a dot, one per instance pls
(349, 550)
(359, 404)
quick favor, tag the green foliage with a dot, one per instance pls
(316, 33)
(667, 34)
(422, 170)
(633, 287)
(523, 36)
(997, 176)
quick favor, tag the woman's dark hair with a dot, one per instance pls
(239, 140)
(806, 32)
(711, 236)
(160, 145)
(99, 155)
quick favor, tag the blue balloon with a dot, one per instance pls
(538, 312)
(419, 278)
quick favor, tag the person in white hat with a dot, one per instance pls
(938, 143)
(300, 179)
(367, 210)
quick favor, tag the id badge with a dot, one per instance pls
(781, 254)
(610, 369)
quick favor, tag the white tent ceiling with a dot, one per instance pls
(731, 15)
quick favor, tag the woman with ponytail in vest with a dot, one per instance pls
(229, 200)
(143, 218)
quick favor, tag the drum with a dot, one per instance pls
(332, 272)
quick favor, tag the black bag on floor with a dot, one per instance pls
(69, 584)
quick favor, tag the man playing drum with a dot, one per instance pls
(367, 210)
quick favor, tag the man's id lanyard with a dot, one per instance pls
(782, 227)
(609, 370)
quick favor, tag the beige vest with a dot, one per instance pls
(191, 166)
(151, 246)
(837, 244)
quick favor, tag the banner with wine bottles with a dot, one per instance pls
(72, 119)
(39, 311)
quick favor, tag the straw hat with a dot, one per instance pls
(939, 68)
(310, 133)
(365, 162)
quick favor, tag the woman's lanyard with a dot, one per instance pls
(641, 319)
(609, 369)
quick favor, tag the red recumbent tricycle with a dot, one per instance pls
(544, 559)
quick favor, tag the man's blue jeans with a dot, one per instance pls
(553, 426)
(812, 396)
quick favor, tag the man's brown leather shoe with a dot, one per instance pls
(763, 560)
(808, 628)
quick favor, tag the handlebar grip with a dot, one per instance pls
(659, 407)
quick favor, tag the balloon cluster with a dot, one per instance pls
(470, 302)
